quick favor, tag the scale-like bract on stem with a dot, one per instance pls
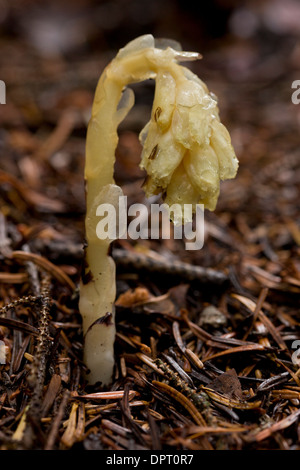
(186, 152)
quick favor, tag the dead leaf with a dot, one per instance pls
(227, 384)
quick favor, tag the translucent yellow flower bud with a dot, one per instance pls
(180, 190)
(202, 167)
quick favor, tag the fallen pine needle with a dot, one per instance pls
(197, 431)
(183, 400)
(42, 262)
(13, 278)
(116, 395)
(19, 432)
(238, 349)
(69, 437)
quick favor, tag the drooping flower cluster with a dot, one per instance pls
(186, 149)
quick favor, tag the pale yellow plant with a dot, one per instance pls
(186, 152)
